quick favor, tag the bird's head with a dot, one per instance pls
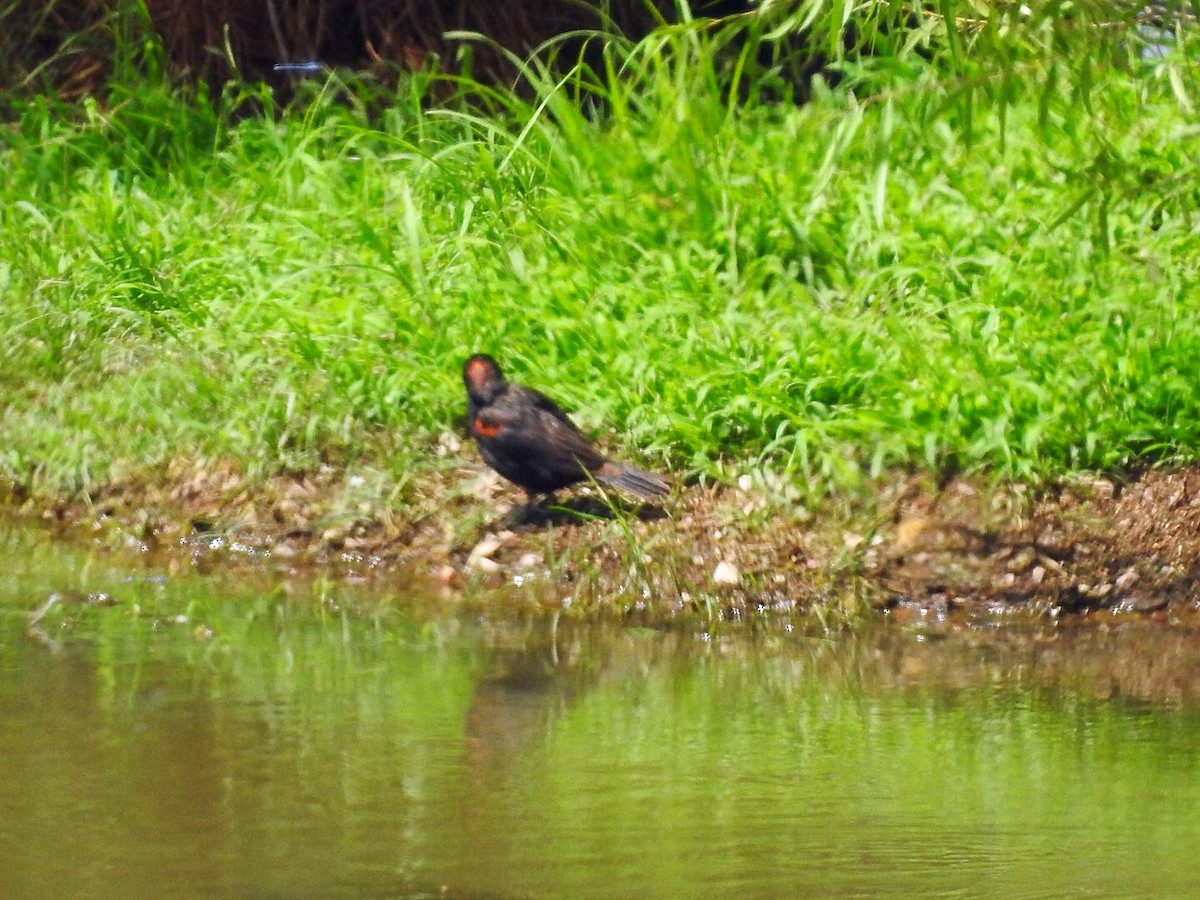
(483, 378)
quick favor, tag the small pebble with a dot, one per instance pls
(1022, 560)
(486, 547)
(726, 573)
(529, 561)
(1129, 577)
(479, 555)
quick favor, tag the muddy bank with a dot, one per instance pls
(927, 554)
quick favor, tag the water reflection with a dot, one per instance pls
(514, 705)
(196, 737)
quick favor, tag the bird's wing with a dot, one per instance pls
(536, 424)
(558, 429)
(546, 405)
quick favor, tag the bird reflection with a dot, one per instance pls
(525, 691)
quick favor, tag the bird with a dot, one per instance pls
(529, 440)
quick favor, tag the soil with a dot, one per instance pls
(929, 555)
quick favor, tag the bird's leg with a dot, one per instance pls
(530, 511)
(537, 505)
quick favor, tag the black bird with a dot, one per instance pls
(528, 439)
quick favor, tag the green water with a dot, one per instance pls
(205, 737)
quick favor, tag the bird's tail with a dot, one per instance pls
(629, 478)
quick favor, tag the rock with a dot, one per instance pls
(726, 573)
(486, 486)
(1052, 564)
(1127, 578)
(1022, 560)
(1141, 604)
(1102, 488)
(486, 547)
(529, 561)
(479, 557)
(908, 532)
(483, 564)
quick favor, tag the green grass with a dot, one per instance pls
(911, 269)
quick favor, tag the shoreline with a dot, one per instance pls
(922, 553)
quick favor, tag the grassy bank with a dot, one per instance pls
(895, 273)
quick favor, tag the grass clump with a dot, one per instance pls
(924, 264)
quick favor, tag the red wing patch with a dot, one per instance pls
(483, 429)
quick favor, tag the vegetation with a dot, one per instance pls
(972, 247)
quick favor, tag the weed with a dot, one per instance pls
(986, 264)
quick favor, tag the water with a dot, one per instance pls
(200, 737)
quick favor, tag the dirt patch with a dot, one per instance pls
(927, 554)
(1092, 543)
